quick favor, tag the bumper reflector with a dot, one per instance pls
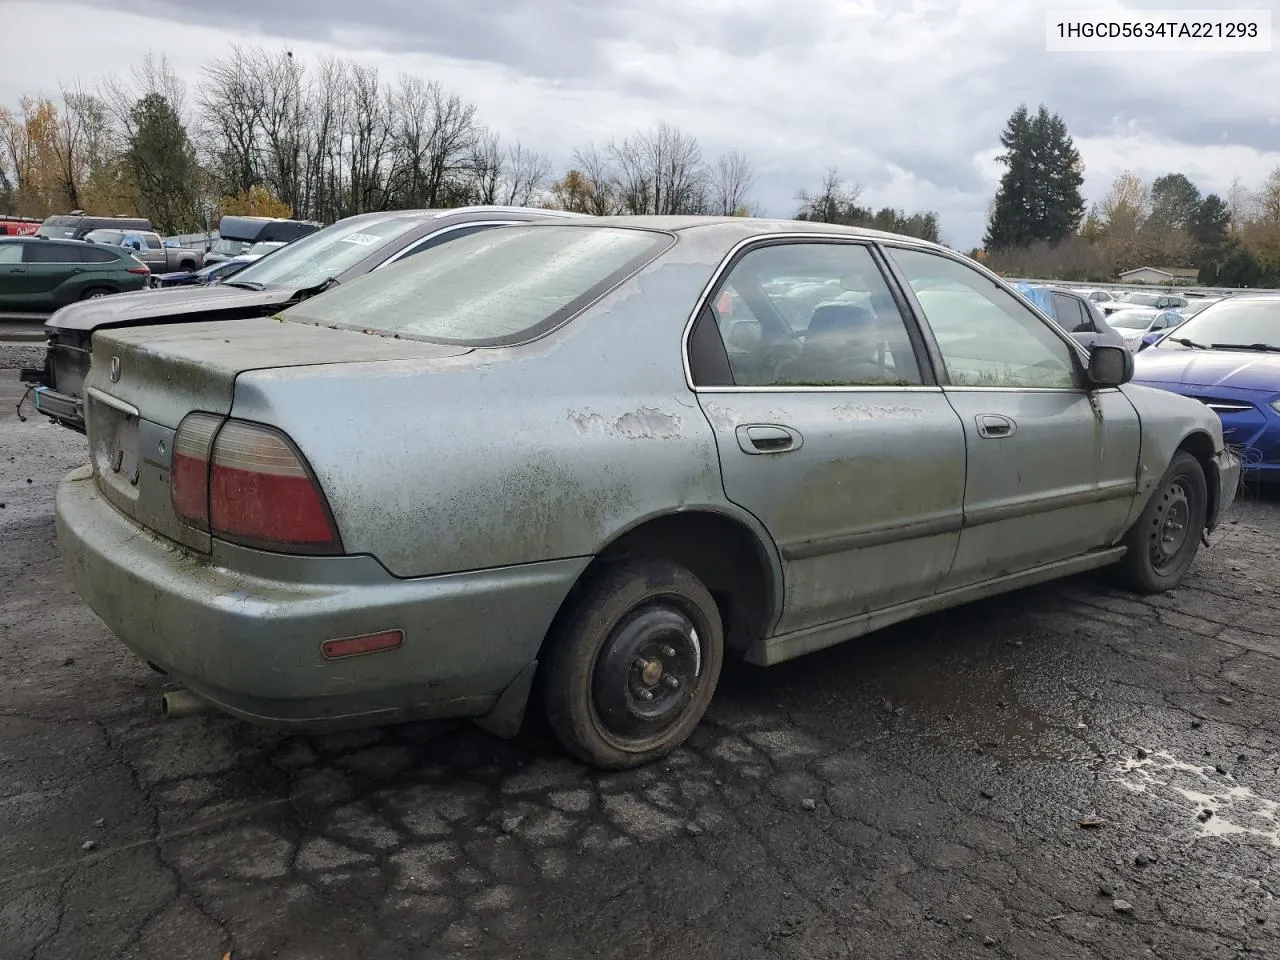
(355, 646)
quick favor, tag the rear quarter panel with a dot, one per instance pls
(511, 455)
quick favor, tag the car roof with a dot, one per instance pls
(442, 213)
(35, 239)
(761, 225)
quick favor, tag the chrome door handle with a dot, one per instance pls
(756, 438)
(995, 426)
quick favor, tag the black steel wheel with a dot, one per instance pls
(1164, 540)
(629, 673)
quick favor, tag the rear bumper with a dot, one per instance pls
(1228, 470)
(66, 409)
(250, 644)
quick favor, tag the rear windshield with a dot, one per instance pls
(492, 288)
(58, 228)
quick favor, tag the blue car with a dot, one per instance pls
(205, 275)
(1228, 357)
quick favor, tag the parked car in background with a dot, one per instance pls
(40, 276)
(1228, 358)
(1141, 298)
(1097, 296)
(14, 226)
(75, 225)
(237, 234)
(216, 271)
(549, 457)
(1076, 314)
(150, 249)
(211, 273)
(1134, 323)
(1197, 304)
(262, 248)
(302, 269)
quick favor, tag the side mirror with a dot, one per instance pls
(1109, 366)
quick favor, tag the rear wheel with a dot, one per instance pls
(95, 292)
(630, 672)
(1164, 540)
(187, 265)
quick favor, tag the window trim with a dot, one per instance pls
(1077, 351)
(452, 228)
(910, 320)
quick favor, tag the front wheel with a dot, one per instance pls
(1164, 540)
(630, 672)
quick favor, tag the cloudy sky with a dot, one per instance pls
(905, 97)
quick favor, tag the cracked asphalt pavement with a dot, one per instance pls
(1066, 772)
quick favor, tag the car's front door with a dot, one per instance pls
(830, 427)
(1052, 466)
(13, 277)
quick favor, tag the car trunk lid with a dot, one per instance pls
(144, 380)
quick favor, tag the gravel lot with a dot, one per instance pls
(1026, 777)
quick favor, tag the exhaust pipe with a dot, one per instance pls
(183, 703)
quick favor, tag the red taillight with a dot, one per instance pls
(140, 267)
(262, 494)
(189, 469)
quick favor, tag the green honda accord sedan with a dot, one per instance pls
(41, 276)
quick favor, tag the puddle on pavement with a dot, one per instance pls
(1235, 810)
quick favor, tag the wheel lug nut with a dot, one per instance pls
(671, 681)
(639, 663)
(668, 651)
(646, 695)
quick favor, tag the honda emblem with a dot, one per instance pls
(115, 369)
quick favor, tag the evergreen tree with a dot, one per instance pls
(1039, 196)
(163, 164)
(1210, 229)
(1175, 201)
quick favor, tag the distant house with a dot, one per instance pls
(1159, 275)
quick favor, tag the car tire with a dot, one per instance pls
(94, 292)
(1164, 540)
(632, 665)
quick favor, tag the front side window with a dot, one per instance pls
(812, 315)
(51, 253)
(986, 335)
(493, 288)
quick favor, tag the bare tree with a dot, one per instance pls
(599, 194)
(80, 143)
(833, 201)
(283, 120)
(488, 168)
(154, 75)
(731, 181)
(660, 171)
(526, 173)
(231, 111)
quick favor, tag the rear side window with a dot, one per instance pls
(96, 255)
(492, 288)
(1071, 313)
(11, 252)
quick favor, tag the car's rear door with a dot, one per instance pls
(51, 270)
(830, 427)
(1052, 466)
